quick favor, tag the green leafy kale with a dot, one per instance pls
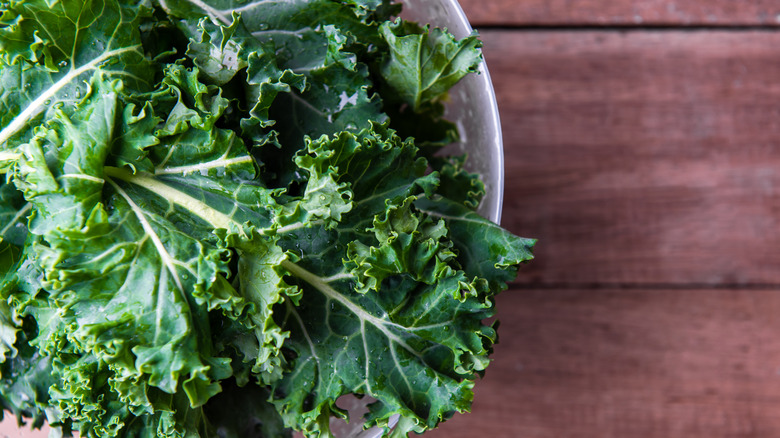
(218, 217)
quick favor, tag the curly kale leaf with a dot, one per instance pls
(400, 317)
(422, 63)
(50, 49)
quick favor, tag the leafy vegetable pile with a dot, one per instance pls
(217, 217)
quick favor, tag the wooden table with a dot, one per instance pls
(642, 148)
(642, 143)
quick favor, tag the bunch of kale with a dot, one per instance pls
(218, 216)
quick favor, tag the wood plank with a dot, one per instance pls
(640, 363)
(621, 12)
(642, 157)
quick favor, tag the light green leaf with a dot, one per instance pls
(424, 63)
(49, 51)
(92, 245)
(216, 53)
(203, 181)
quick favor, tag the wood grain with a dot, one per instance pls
(642, 157)
(641, 363)
(622, 12)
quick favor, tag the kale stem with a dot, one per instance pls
(197, 207)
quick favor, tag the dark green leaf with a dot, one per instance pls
(485, 249)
